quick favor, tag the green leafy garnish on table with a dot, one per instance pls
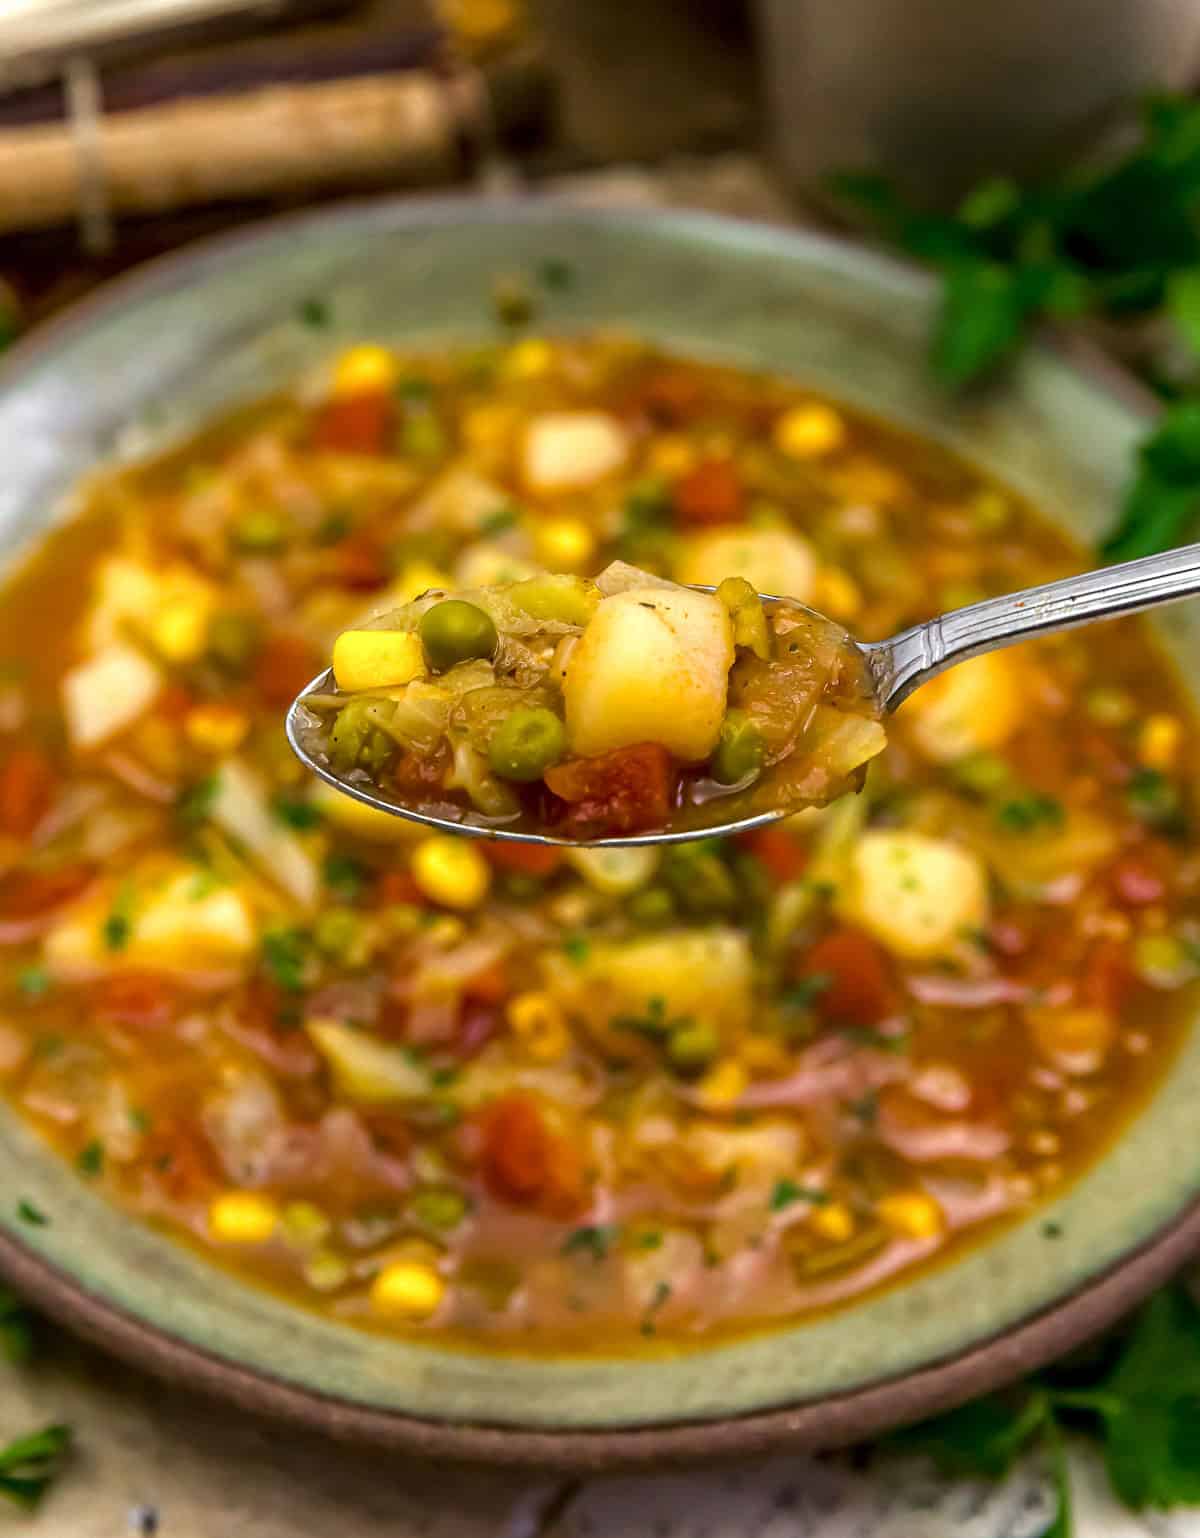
(1116, 240)
(1141, 1404)
(31, 1463)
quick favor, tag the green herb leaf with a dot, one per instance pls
(30, 1214)
(16, 1329)
(1025, 814)
(496, 523)
(118, 925)
(90, 1160)
(593, 1239)
(576, 948)
(285, 955)
(34, 982)
(786, 1192)
(345, 876)
(982, 319)
(985, 1437)
(30, 1464)
(1183, 303)
(295, 813)
(195, 805)
(801, 995)
(314, 313)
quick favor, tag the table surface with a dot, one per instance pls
(150, 1452)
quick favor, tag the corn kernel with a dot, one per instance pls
(808, 432)
(838, 595)
(216, 729)
(765, 1055)
(451, 871)
(1159, 741)
(326, 1271)
(418, 577)
(179, 630)
(723, 1085)
(488, 430)
(304, 1223)
(365, 370)
(564, 544)
(243, 1217)
(537, 1021)
(529, 358)
(671, 457)
(377, 659)
(407, 1290)
(912, 1213)
(833, 1221)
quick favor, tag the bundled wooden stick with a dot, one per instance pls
(279, 140)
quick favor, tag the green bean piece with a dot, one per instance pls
(439, 1208)
(261, 533)
(525, 744)
(456, 631)
(692, 1046)
(739, 752)
(355, 741)
(232, 640)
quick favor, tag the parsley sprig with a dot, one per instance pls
(1142, 1404)
(1117, 239)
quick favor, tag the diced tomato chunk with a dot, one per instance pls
(397, 886)
(146, 1000)
(354, 424)
(526, 1163)
(711, 493)
(27, 784)
(859, 988)
(415, 775)
(29, 899)
(174, 703)
(540, 860)
(286, 663)
(672, 395)
(627, 790)
(784, 856)
(361, 563)
(491, 985)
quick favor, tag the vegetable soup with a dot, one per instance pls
(588, 1099)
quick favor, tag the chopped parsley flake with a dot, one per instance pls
(314, 313)
(90, 1160)
(787, 1192)
(576, 948)
(593, 1239)
(284, 954)
(34, 982)
(30, 1214)
(295, 813)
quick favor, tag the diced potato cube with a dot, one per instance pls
(970, 708)
(652, 666)
(367, 369)
(917, 895)
(377, 659)
(107, 693)
(704, 974)
(773, 561)
(564, 450)
(174, 926)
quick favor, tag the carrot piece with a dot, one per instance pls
(143, 999)
(27, 784)
(525, 1163)
(492, 985)
(285, 664)
(395, 887)
(354, 424)
(29, 899)
(361, 563)
(540, 860)
(783, 856)
(1107, 976)
(711, 493)
(859, 989)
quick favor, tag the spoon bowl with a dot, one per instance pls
(896, 667)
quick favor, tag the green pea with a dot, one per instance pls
(439, 1208)
(525, 744)
(692, 1046)
(653, 907)
(260, 533)
(340, 934)
(422, 437)
(456, 631)
(739, 752)
(356, 741)
(232, 640)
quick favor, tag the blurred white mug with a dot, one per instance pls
(938, 93)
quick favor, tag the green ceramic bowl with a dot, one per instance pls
(223, 322)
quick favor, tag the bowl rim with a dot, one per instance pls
(834, 1420)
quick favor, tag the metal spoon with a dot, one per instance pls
(898, 666)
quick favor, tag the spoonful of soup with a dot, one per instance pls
(633, 710)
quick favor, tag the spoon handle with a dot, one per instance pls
(905, 661)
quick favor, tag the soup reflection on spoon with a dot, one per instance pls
(635, 710)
